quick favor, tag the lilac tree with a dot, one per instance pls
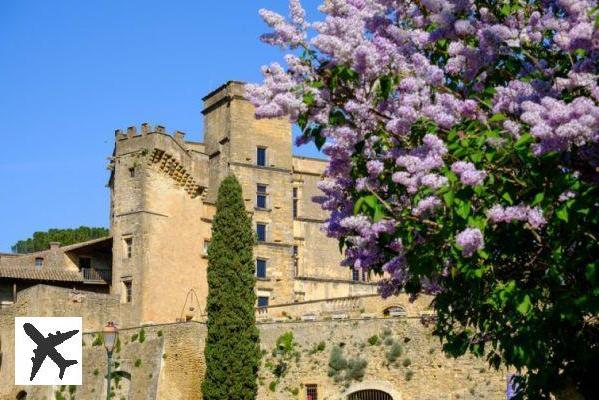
(464, 163)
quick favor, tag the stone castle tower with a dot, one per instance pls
(163, 191)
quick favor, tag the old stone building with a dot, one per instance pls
(151, 271)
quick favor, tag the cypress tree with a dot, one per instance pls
(232, 346)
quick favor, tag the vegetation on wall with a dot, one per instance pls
(232, 351)
(41, 240)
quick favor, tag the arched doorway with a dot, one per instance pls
(372, 390)
(370, 394)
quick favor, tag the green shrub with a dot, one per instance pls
(407, 362)
(386, 332)
(337, 362)
(272, 386)
(98, 340)
(318, 348)
(356, 368)
(280, 369)
(374, 340)
(285, 343)
(96, 372)
(159, 333)
(409, 375)
(389, 341)
(134, 337)
(394, 352)
(137, 363)
(142, 335)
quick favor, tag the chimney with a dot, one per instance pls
(54, 245)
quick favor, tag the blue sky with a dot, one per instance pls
(71, 72)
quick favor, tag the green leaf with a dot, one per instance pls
(525, 305)
(523, 141)
(538, 199)
(497, 118)
(448, 198)
(506, 196)
(562, 213)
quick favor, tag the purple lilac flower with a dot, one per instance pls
(470, 240)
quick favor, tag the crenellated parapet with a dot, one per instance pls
(147, 129)
(168, 153)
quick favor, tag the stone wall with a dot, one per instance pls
(166, 361)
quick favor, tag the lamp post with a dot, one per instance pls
(110, 334)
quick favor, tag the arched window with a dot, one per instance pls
(22, 395)
(395, 311)
(370, 394)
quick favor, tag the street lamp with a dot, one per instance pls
(110, 334)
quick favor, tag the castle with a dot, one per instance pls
(150, 273)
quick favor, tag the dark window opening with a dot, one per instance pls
(85, 263)
(39, 262)
(132, 172)
(261, 196)
(296, 261)
(261, 268)
(262, 301)
(128, 291)
(261, 156)
(129, 247)
(311, 392)
(355, 275)
(295, 202)
(261, 232)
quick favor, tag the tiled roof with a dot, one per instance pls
(42, 274)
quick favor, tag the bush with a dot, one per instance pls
(159, 333)
(337, 362)
(389, 341)
(409, 375)
(142, 335)
(137, 363)
(374, 340)
(394, 352)
(318, 348)
(406, 362)
(356, 368)
(134, 337)
(272, 386)
(98, 340)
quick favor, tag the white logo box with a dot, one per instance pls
(51, 340)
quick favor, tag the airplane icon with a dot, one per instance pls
(46, 348)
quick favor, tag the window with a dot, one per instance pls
(128, 295)
(295, 261)
(261, 268)
(85, 263)
(261, 232)
(311, 392)
(132, 172)
(261, 196)
(39, 262)
(206, 244)
(261, 156)
(262, 301)
(295, 202)
(129, 247)
(355, 275)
